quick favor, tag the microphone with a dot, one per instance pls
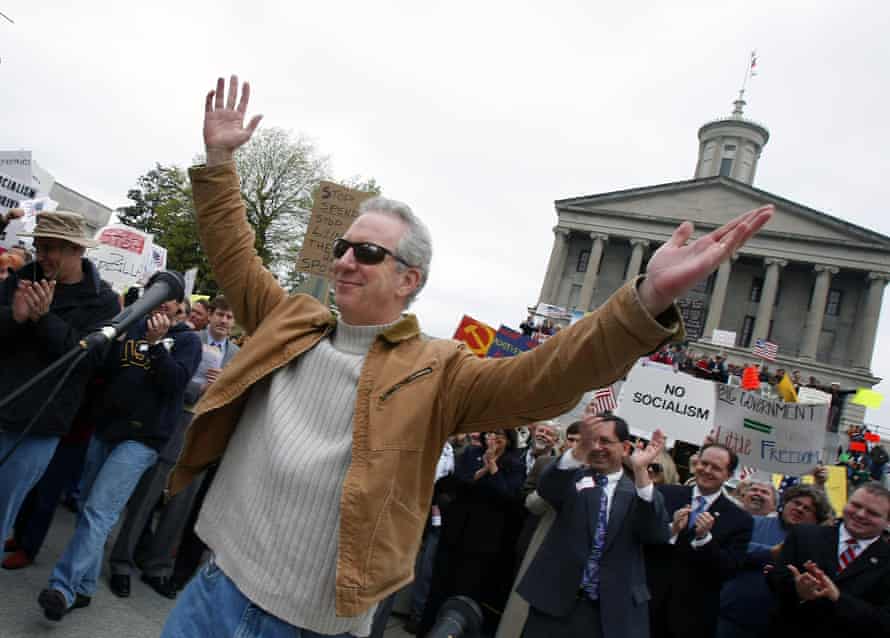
(459, 617)
(162, 286)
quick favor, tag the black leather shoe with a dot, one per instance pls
(81, 601)
(164, 586)
(120, 585)
(53, 603)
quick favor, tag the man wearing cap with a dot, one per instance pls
(45, 308)
(146, 372)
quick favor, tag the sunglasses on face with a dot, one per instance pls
(365, 252)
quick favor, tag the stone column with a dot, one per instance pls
(817, 311)
(638, 247)
(556, 264)
(767, 298)
(718, 297)
(868, 320)
(593, 265)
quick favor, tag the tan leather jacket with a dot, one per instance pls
(412, 392)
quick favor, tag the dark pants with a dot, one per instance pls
(39, 508)
(582, 622)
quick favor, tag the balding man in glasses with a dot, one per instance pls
(329, 428)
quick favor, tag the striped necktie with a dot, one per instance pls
(700, 504)
(848, 555)
(590, 579)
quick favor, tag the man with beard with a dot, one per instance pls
(746, 602)
(542, 445)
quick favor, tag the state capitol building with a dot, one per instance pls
(809, 282)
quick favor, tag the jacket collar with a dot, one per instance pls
(405, 328)
(91, 280)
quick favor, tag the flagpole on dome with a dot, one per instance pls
(750, 72)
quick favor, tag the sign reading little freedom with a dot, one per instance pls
(334, 210)
(771, 435)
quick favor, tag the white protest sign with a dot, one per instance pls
(155, 260)
(812, 395)
(768, 434)
(12, 234)
(120, 257)
(724, 338)
(191, 275)
(656, 397)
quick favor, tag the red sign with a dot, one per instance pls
(123, 239)
(477, 335)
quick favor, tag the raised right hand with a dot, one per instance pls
(224, 129)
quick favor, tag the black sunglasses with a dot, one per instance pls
(365, 252)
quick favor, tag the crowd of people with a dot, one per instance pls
(295, 486)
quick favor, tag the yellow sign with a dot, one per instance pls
(868, 398)
(835, 486)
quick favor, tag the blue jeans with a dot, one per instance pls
(212, 607)
(110, 475)
(20, 473)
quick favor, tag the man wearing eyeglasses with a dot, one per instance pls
(329, 428)
(589, 579)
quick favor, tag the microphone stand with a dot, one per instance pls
(75, 356)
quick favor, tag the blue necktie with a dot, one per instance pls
(590, 581)
(700, 504)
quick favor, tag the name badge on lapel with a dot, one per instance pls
(585, 483)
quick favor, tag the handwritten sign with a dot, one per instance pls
(120, 257)
(335, 208)
(770, 435)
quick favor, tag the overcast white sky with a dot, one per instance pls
(478, 114)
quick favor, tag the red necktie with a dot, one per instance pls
(848, 555)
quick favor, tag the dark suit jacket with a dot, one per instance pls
(552, 581)
(686, 582)
(863, 608)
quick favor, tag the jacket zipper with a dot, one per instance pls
(412, 377)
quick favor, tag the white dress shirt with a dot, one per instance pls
(861, 546)
(568, 462)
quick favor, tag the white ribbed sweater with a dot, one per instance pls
(272, 516)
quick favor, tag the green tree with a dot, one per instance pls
(162, 205)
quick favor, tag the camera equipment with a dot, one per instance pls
(459, 617)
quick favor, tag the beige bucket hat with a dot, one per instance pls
(63, 224)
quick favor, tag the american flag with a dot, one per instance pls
(765, 349)
(603, 400)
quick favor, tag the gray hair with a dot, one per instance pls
(415, 246)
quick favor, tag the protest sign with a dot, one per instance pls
(868, 398)
(656, 397)
(155, 260)
(121, 255)
(811, 395)
(508, 343)
(477, 335)
(334, 209)
(11, 236)
(191, 275)
(724, 338)
(769, 434)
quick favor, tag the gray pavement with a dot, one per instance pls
(141, 615)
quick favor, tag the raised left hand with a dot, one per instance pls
(677, 266)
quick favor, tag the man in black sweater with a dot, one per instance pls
(146, 373)
(46, 307)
